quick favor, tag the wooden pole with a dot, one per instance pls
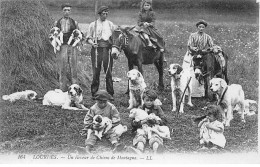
(95, 40)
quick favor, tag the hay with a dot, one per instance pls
(27, 60)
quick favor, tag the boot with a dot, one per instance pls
(88, 149)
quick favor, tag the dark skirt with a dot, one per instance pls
(155, 36)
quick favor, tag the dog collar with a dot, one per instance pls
(223, 95)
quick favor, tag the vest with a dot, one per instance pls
(73, 26)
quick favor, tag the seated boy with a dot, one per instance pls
(106, 109)
(156, 142)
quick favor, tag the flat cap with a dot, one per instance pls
(103, 95)
(202, 22)
(102, 8)
(65, 5)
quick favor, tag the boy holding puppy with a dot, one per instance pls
(105, 109)
(155, 141)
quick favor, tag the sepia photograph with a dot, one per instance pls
(129, 81)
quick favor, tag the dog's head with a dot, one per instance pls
(134, 76)
(217, 85)
(175, 70)
(77, 34)
(97, 119)
(55, 31)
(133, 113)
(31, 95)
(75, 90)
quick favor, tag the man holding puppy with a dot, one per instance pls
(67, 56)
(98, 36)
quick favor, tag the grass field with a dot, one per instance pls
(28, 127)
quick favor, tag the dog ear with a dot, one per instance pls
(128, 74)
(79, 90)
(30, 95)
(223, 83)
(179, 69)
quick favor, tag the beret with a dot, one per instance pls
(65, 5)
(103, 95)
(101, 9)
(202, 22)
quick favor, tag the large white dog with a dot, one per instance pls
(23, 95)
(67, 100)
(179, 80)
(228, 97)
(136, 88)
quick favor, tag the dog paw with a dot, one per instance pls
(174, 109)
(243, 120)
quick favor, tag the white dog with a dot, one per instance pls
(76, 36)
(23, 95)
(119, 129)
(136, 88)
(228, 97)
(101, 125)
(67, 100)
(56, 38)
(138, 114)
(179, 80)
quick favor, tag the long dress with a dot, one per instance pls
(155, 36)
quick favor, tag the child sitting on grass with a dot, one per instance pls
(156, 142)
(211, 129)
(106, 109)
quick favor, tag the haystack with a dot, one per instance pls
(27, 58)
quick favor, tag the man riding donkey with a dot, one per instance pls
(146, 27)
(201, 43)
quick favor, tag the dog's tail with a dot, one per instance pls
(5, 97)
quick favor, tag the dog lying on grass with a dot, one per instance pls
(23, 95)
(56, 38)
(67, 100)
(101, 125)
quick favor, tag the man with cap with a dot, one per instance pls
(106, 109)
(98, 36)
(67, 56)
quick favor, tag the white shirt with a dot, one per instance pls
(104, 30)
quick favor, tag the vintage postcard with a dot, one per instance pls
(129, 81)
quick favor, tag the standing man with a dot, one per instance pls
(98, 36)
(67, 56)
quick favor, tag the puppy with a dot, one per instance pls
(228, 97)
(138, 114)
(136, 88)
(162, 131)
(67, 100)
(77, 36)
(250, 107)
(23, 95)
(179, 80)
(56, 38)
(120, 129)
(101, 125)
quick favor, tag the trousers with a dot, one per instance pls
(67, 62)
(105, 57)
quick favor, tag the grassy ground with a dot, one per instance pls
(28, 127)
